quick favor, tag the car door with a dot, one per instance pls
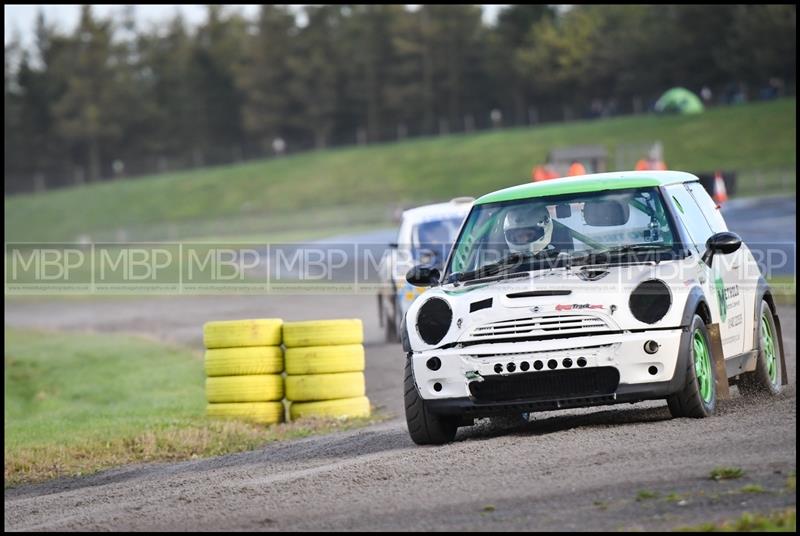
(721, 280)
(744, 271)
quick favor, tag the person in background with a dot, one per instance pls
(652, 162)
(543, 173)
(576, 169)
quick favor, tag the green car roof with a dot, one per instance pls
(588, 183)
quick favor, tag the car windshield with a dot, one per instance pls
(581, 228)
(431, 240)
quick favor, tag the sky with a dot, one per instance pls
(21, 18)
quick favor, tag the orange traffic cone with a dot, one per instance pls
(720, 194)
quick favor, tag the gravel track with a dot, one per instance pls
(570, 470)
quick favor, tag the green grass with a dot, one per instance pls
(644, 495)
(362, 186)
(784, 289)
(780, 521)
(726, 473)
(755, 182)
(674, 497)
(78, 403)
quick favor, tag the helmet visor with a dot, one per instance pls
(520, 236)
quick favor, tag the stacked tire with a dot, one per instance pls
(325, 368)
(244, 365)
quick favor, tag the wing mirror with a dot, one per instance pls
(724, 243)
(423, 275)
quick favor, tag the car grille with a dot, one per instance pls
(550, 385)
(539, 326)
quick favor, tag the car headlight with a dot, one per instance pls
(433, 320)
(650, 301)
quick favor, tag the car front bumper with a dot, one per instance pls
(551, 374)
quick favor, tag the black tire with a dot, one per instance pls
(688, 402)
(759, 382)
(390, 328)
(424, 427)
(398, 318)
(389, 320)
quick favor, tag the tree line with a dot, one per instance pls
(111, 98)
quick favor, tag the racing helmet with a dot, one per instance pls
(528, 228)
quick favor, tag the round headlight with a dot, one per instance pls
(650, 301)
(433, 320)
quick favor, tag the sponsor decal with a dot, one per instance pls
(719, 286)
(724, 295)
(731, 292)
(735, 321)
(575, 306)
(728, 340)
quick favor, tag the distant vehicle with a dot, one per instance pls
(425, 236)
(587, 291)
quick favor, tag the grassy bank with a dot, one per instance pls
(362, 186)
(784, 289)
(79, 403)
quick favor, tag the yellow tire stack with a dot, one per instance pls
(243, 364)
(325, 368)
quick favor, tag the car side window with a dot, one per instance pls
(691, 215)
(708, 206)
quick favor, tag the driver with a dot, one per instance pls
(528, 228)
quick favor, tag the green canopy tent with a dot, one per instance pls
(679, 100)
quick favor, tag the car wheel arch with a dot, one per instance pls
(703, 311)
(404, 336)
(696, 304)
(763, 292)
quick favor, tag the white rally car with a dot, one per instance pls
(426, 235)
(592, 290)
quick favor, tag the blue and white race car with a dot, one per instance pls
(425, 236)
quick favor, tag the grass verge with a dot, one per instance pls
(784, 289)
(79, 403)
(726, 473)
(780, 521)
